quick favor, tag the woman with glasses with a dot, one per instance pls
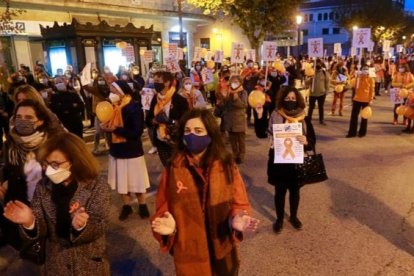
(31, 128)
(69, 209)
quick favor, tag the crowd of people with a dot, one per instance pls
(51, 188)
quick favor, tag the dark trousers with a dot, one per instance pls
(353, 124)
(280, 195)
(164, 152)
(260, 125)
(321, 103)
(377, 89)
(238, 145)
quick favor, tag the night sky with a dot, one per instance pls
(409, 5)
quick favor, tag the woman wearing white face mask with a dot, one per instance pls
(402, 79)
(127, 170)
(69, 209)
(193, 96)
(22, 171)
(234, 120)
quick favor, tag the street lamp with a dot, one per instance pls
(299, 20)
(355, 27)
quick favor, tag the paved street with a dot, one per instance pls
(359, 222)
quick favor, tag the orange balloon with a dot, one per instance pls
(309, 72)
(104, 111)
(401, 110)
(339, 88)
(210, 64)
(403, 93)
(409, 112)
(366, 113)
(256, 98)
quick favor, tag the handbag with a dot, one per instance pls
(34, 250)
(312, 170)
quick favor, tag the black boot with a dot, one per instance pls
(296, 223)
(143, 211)
(277, 226)
(125, 212)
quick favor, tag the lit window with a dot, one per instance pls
(58, 59)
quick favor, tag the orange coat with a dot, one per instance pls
(201, 209)
(365, 89)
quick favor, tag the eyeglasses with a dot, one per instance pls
(54, 164)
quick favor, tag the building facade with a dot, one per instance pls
(161, 16)
(320, 19)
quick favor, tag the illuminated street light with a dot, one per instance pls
(215, 30)
(299, 19)
(404, 37)
(355, 27)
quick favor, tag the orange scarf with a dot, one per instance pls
(190, 97)
(161, 103)
(117, 121)
(290, 119)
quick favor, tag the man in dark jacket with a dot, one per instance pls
(68, 107)
(166, 110)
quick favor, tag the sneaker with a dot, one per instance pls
(239, 161)
(153, 150)
(295, 223)
(277, 226)
(350, 136)
(125, 212)
(332, 113)
(340, 114)
(96, 152)
(143, 211)
(322, 123)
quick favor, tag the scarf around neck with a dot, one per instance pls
(294, 116)
(117, 121)
(162, 102)
(20, 146)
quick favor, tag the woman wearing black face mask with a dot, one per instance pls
(166, 109)
(21, 173)
(290, 109)
(202, 207)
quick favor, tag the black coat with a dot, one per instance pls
(178, 107)
(286, 173)
(69, 108)
(133, 119)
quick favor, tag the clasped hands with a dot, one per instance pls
(19, 213)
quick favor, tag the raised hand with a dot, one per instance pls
(80, 218)
(164, 225)
(243, 222)
(18, 212)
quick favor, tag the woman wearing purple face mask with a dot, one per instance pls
(202, 189)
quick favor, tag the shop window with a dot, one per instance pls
(336, 30)
(305, 32)
(113, 58)
(205, 43)
(58, 59)
(174, 37)
(325, 31)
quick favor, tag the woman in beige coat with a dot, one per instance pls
(69, 209)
